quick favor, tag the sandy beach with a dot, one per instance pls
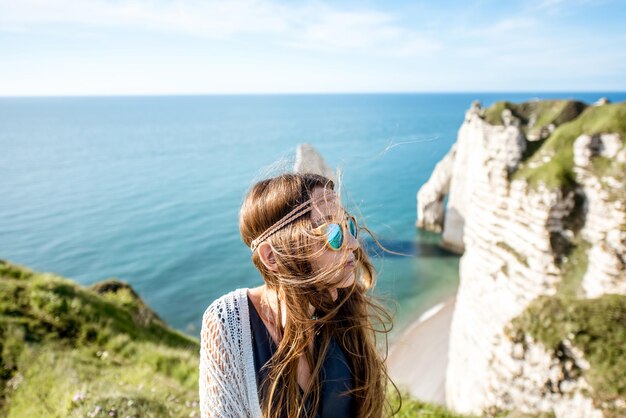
(418, 357)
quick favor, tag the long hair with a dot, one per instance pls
(354, 319)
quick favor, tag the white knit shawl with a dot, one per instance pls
(227, 376)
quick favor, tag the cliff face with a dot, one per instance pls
(606, 211)
(537, 197)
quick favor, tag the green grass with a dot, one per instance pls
(54, 375)
(558, 171)
(571, 119)
(535, 115)
(493, 114)
(574, 269)
(416, 408)
(595, 326)
(69, 351)
(603, 168)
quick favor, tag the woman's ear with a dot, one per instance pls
(266, 252)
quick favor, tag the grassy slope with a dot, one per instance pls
(595, 326)
(414, 408)
(535, 115)
(68, 351)
(558, 171)
(71, 351)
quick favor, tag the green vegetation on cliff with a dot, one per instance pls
(549, 159)
(412, 408)
(573, 270)
(70, 351)
(536, 115)
(553, 163)
(597, 327)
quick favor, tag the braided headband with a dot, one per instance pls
(297, 212)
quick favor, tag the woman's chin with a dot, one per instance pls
(347, 281)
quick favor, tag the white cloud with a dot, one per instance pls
(349, 29)
(277, 46)
(505, 27)
(214, 19)
(558, 7)
(550, 4)
(513, 24)
(310, 26)
(373, 32)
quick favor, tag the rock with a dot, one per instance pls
(567, 386)
(142, 314)
(430, 213)
(113, 286)
(587, 147)
(509, 119)
(602, 101)
(518, 351)
(611, 144)
(308, 160)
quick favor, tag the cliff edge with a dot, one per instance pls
(537, 205)
(71, 351)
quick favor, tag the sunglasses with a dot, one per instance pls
(335, 232)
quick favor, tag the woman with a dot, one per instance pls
(303, 344)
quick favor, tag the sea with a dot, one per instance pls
(147, 189)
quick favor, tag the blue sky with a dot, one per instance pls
(111, 47)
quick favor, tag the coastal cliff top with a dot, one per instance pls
(593, 326)
(551, 127)
(535, 116)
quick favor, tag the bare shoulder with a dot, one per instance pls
(256, 294)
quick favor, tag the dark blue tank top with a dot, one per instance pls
(335, 378)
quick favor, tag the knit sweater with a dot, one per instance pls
(227, 381)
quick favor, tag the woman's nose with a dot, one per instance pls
(352, 243)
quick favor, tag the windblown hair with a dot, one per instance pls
(354, 319)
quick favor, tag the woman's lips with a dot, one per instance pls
(350, 264)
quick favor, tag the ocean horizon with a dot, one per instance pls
(147, 188)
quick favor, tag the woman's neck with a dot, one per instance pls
(270, 303)
(271, 300)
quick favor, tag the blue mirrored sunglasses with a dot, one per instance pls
(335, 232)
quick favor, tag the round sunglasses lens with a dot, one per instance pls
(352, 227)
(334, 236)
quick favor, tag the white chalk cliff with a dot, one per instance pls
(517, 233)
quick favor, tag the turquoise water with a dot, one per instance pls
(147, 189)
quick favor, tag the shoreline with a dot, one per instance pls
(424, 346)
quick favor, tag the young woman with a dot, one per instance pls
(302, 344)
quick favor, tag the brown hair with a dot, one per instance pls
(354, 318)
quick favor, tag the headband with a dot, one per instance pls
(295, 213)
